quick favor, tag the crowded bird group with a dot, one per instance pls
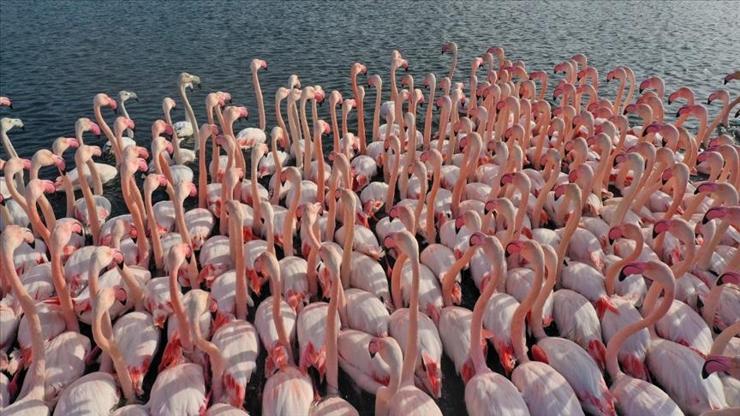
(592, 241)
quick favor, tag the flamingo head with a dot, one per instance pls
(258, 64)
(103, 100)
(714, 213)
(636, 267)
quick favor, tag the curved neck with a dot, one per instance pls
(60, 286)
(517, 322)
(476, 325)
(92, 213)
(106, 131)
(626, 202)
(28, 305)
(448, 281)
(616, 342)
(189, 112)
(110, 347)
(613, 271)
(153, 231)
(179, 310)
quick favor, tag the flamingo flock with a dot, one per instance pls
(596, 254)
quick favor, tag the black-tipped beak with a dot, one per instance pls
(704, 373)
(699, 303)
(622, 276)
(720, 280)
(669, 101)
(641, 90)
(705, 220)
(611, 240)
(709, 102)
(655, 233)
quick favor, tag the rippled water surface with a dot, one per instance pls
(54, 56)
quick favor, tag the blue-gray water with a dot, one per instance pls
(55, 56)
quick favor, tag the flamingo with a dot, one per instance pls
(288, 391)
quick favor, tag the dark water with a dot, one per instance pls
(55, 56)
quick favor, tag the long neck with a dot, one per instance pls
(202, 172)
(36, 223)
(179, 310)
(539, 304)
(626, 202)
(13, 188)
(615, 344)
(453, 65)
(110, 347)
(542, 196)
(153, 231)
(476, 325)
(60, 285)
(517, 322)
(412, 352)
(257, 209)
(214, 354)
(92, 213)
(136, 293)
(448, 280)
(349, 236)
(106, 131)
(281, 122)
(277, 315)
(332, 370)
(260, 100)
(359, 99)
(376, 113)
(613, 270)
(685, 265)
(137, 215)
(307, 151)
(38, 367)
(335, 127)
(290, 218)
(189, 112)
(295, 130)
(431, 199)
(321, 168)
(236, 244)
(390, 195)
(275, 199)
(704, 255)
(9, 149)
(570, 228)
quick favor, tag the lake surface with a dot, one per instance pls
(55, 56)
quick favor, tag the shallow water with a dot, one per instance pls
(55, 56)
